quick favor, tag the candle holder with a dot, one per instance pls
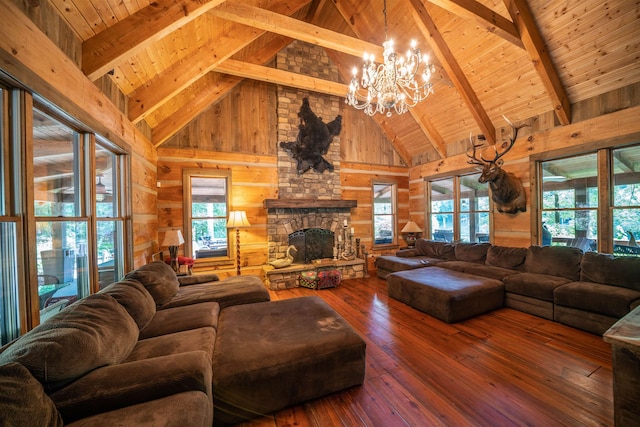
(348, 252)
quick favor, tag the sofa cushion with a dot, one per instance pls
(611, 270)
(614, 301)
(433, 249)
(93, 332)
(534, 285)
(272, 355)
(23, 402)
(159, 279)
(448, 295)
(506, 257)
(190, 408)
(134, 297)
(396, 263)
(178, 319)
(472, 252)
(474, 268)
(230, 291)
(563, 261)
(117, 386)
(201, 339)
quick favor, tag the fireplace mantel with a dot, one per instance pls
(308, 203)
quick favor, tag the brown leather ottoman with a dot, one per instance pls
(271, 355)
(448, 295)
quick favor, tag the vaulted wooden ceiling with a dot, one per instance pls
(173, 59)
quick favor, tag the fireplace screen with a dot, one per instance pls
(312, 243)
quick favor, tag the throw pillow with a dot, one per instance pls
(159, 279)
(133, 296)
(563, 261)
(472, 252)
(506, 257)
(611, 270)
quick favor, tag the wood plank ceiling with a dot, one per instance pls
(173, 59)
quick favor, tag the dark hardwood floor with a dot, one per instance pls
(498, 369)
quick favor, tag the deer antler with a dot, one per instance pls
(512, 141)
(473, 160)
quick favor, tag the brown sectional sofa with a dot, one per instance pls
(146, 351)
(589, 291)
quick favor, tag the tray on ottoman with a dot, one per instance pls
(271, 355)
(449, 295)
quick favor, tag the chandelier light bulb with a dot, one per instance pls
(391, 85)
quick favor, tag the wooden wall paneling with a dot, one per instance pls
(363, 141)
(47, 18)
(244, 121)
(170, 214)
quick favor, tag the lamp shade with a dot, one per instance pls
(411, 227)
(173, 238)
(238, 219)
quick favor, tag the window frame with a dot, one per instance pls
(187, 174)
(121, 179)
(575, 209)
(14, 308)
(393, 214)
(457, 199)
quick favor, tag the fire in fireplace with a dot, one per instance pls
(312, 244)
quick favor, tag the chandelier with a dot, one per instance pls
(391, 85)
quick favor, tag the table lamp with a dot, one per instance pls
(173, 239)
(410, 233)
(238, 220)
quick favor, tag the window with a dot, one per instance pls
(61, 219)
(569, 205)
(441, 210)
(626, 200)
(110, 171)
(207, 201)
(474, 209)
(459, 209)
(384, 214)
(591, 201)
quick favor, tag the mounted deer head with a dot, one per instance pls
(506, 190)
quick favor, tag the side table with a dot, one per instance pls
(624, 337)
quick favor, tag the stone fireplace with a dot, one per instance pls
(309, 212)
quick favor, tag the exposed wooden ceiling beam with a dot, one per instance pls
(535, 46)
(281, 77)
(106, 49)
(430, 130)
(280, 24)
(485, 17)
(172, 81)
(453, 69)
